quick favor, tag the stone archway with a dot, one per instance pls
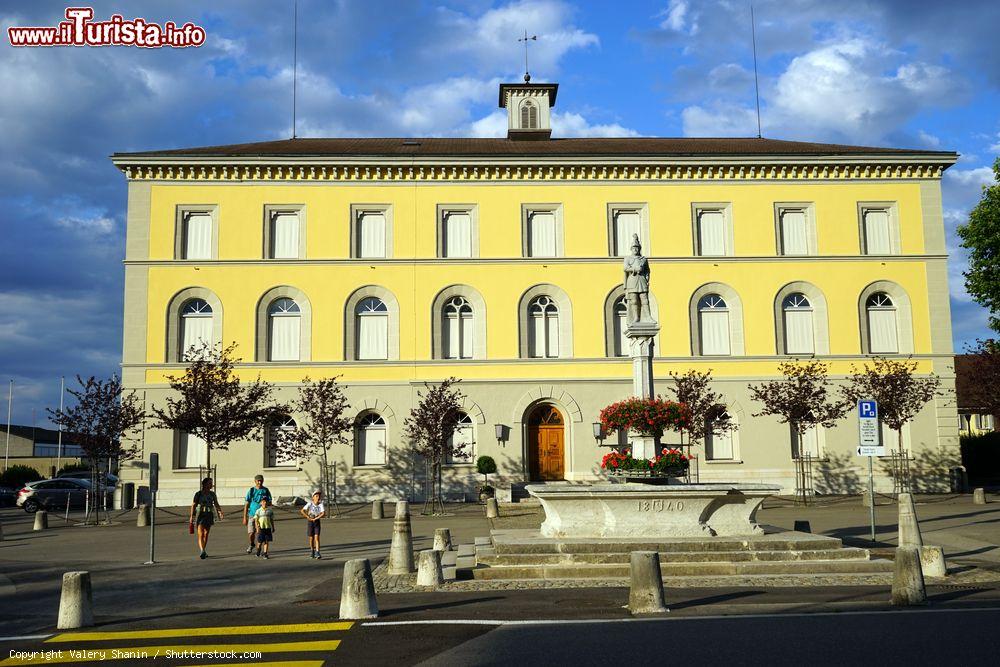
(546, 444)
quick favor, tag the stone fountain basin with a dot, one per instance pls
(642, 510)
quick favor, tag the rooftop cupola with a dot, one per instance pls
(528, 105)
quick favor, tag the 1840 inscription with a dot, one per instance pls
(660, 505)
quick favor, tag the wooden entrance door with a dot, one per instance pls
(545, 444)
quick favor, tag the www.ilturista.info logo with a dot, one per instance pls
(80, 30)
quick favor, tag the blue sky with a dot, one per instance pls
(908, 73)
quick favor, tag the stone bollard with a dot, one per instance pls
(142, 520)
(645, 595)
(41, 520)
(401, 550)
(909, 528)
(492, 509)
(76, 604)
(979, 496)
(378, 511)
(357, 595)
(932, 562)
(908, 579)
(802, 526)
(429, 572)
(442, 539)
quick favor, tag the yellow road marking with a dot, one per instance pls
(199, 632)
(54, 656)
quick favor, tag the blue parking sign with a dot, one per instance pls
(868, 409)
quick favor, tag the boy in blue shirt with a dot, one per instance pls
(250, 506)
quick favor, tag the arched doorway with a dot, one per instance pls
(546, 438)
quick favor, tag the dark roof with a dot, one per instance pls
(578, 147)
(35, 433)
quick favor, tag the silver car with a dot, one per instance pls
(53, 494)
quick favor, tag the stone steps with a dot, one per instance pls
(686, 569)
(493, 559)
(545, 546)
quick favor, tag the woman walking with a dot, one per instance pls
(202, 516)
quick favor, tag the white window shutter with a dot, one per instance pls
(711, 233)
(462, 438)
(793, 233)
(373, 337)
(621, 340)
(452, 336)
(542, 230)
(465, 333)
(877, 232)
(371, 233)
(197, 332)
(193, 451)
(626, 224)
(536, 335)
(809, 443)
(882, 332)
(285, 236)
(552, 329)
(799, 332)
(715, 332)
(198, 236)
(458, 234)
(719, 446)
(371, 446)
(284, 338)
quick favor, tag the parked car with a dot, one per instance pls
(53, 493)
(109, 479)
(8, 496)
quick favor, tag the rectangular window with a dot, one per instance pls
(711, 233)
(715, 333)
(192, 452)
(799, 332)
(371, 234)
(284, 338)
(882, 331)
(373, 337)
(542, 234)
(457, 234)
(197, 333)
(285, 235)
(807, 443)
(877, 232)
(371, 446)
(197, 235)
(794, 234)
(626, 224)
(719, 446)
(463, 437)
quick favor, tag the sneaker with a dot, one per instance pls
(266, 557)
(312, 554)
(203, 555)
(258, 553)
(249, 549)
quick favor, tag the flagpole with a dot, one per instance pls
(10, 401)
(62, 393)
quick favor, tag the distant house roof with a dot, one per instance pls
(570, 147)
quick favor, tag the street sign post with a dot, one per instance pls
(870, 444)
(154, 482)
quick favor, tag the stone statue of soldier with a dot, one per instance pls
(637, 285)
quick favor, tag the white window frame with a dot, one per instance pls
(892, 210)
(269, 433)
(442, 212)
(359, 426)
(725, 308)
(358, 317)
(726, 208)
(180, 227)
(790, 304)
(271, 315)
(642, 209)
(272, 210)
(466, 422)
(546, 323)
(357, 210)
(733, 435)
(809, 211)
(526, 211)
(894, 309)
(179, 459)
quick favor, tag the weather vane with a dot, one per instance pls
(526, 39)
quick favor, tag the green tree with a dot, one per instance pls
(981, 237)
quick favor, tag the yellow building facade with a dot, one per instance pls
(391, 262)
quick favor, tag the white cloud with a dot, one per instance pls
(95, 224)
(568, 124)
(929, 139)
(678, 18)
(719, 121)
(977, 177)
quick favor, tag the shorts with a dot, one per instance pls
(265, 535)
(205, 520)
(251, 526)
(312, 528)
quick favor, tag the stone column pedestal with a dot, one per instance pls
(643, 446)
(640, 335)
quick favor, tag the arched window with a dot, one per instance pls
(883, 333)
(283, 329)
(543, 328)
(457, 329)
(279, 432)
(464, 438)
(620, 324)
(798, 314)
(722, 445)
(713, 322)
(372, 329)
(196, 328)
(370, 440)
(529, 115)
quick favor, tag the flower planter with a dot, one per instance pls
(646, 477)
